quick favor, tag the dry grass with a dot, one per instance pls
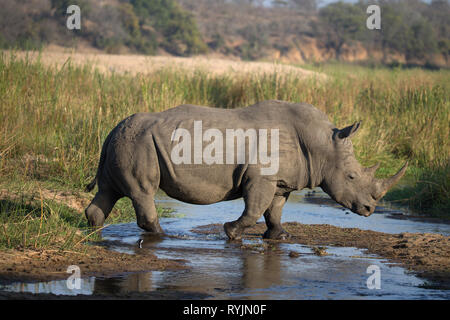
(141, 64)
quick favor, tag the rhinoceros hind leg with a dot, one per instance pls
(257, 196)
(100, 207)
(273, 219)
(146, 214)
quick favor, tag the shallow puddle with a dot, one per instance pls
(255, 269)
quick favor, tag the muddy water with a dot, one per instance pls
(225, 270)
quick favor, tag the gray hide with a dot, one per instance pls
(136, 161)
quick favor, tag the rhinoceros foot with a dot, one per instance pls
(276, 234)
(151, 227)
(233, 231)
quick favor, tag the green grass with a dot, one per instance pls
(427, 193)
(53, 121)
(39, 225)
(32, 222)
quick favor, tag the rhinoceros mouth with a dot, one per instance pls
(362, 210)
(359, 209)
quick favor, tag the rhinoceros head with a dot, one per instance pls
(347, 182)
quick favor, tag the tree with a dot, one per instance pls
(422, 41)
(407, 30)
(341, 23)
(437, 14)
(178, 27)
(304, 5)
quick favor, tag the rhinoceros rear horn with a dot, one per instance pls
(390, 182)
(371, 170)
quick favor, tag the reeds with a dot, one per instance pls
(53, 121)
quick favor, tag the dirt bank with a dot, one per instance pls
(426, 254)
(75, 200)
(45, 265)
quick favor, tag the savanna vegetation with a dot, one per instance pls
(54, 120)
(144, 26)
(412, 31)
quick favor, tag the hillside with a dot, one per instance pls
(413, 32)
(293, 31)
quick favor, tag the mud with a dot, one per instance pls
(46, 265)
(427, 254)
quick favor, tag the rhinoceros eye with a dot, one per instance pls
(351, 176)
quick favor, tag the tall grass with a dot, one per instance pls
(31, 221)
(40, 225)
(53, 121)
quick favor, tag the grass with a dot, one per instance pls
(53, 122)
(38, 225)
(39, 221)
(34, 222)
(428, 191)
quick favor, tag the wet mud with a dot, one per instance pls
(326, 258)
(427, 254)
(45, 265)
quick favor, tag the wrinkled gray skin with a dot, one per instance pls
(135, 161)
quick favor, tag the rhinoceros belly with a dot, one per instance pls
(203, 184)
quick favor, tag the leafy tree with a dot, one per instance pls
(422, 41)
(257, 40)
(178, 27)
(304, 5)
(395, 32)
(129, 20)
(406, 30)
(341, 23)
(437, 14)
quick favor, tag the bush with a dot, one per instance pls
(178, 28)
(342, 23)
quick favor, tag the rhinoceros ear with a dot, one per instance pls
(349, 131)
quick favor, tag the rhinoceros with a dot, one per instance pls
(148, 151)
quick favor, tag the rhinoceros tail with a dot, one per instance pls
(101, 163)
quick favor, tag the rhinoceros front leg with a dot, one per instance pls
(146, 214)
(273, 218)
(258, 195)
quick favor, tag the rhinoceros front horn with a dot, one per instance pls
(390, 182)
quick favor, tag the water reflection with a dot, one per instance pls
(135, 282)
(260, 271)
